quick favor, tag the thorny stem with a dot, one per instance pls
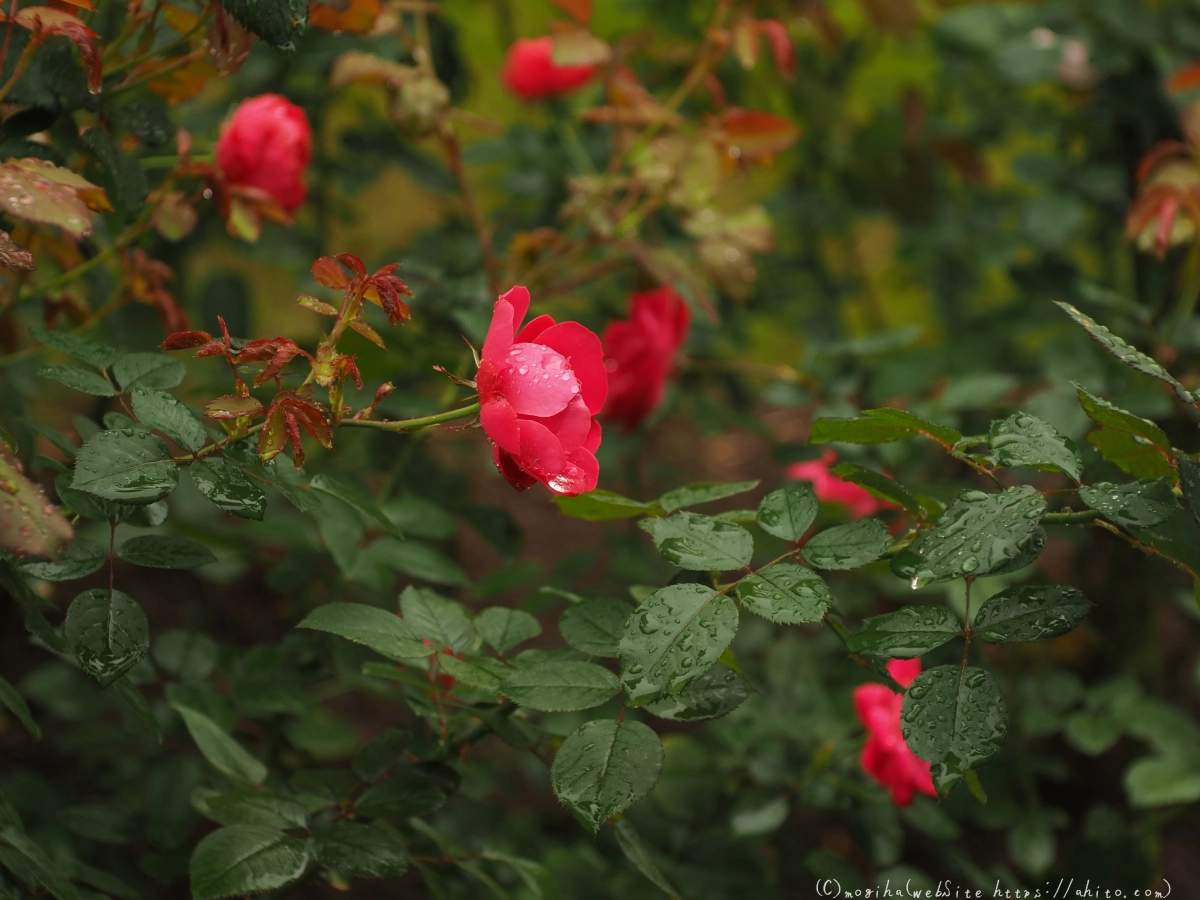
(404, 425)
(1148, 549)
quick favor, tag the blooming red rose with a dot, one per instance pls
(530, 73)
(266, 144)
(885, 756)
(639, 352)
(539, 391)
(859, 502)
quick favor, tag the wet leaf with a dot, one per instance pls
(786, 593)
(82, 558)
(1025, 440)
(1189, 483)
(1138, 505)
(13, 257)
(638, 853)
(561, 686)
(434, 618)
(30, 525)
(246, 807)
(1031, 613)
(880, 486)
(848, 546)
(411, 791)
(504, 628)
(107, 632)
(716, 693)
(595, 626)
(702, 543)
(158, 551)
(278, 22)
(477, 671)
(598, 505)
(906, 633)
(1131, 453)
(1130, 356)
(383, 632)
(89, 349)
(222, 751)
(789, 511)
(148, 370)
(702, 492)
(130, 465)
(881, 426)
(356, 500)
(673, 638)
(34, 190)
(978, 534)
(160, 411)
(359, 851)
(245, 859)
(222, 482)
(83, 380)
(1104, 413)
(604, 767)
(953, 712)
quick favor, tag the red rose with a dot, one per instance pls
(639, 353)
(266, 144)
(859, 502)
(539, 391)
(530, 73)
(885, 756)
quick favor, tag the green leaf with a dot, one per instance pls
(127, 175)
(107, 632)
(245, 859)
(1131, 453)
(908, 632)
(786, 593)
(599, 505)
(561, 686)
(419, 517)
(1092, 733)
(245, 807)
(789, 511)
(504, 628)
(89, 349)
(595, 626)
(702, 543)
(132, 466)
(950, 711)
(411, 791)
(16, 704)
(437, 619)
(1163, 781)
(356, 500)
(359, 850)
(418, 560)
(278, 22)
(381, 753)
(881, 426)
(157, 551)
(125, 689)
(880, 486)
(222, 482)
(1141, 504)
(1025, 440)
(83, 380)
(46, 872)
(382, 631)
(1030, 613)
(1189, 483)
(673, 638)
(716, 693)
(81, 559)
(1104, 413)
(638, 853)
(848, 546)
(978, 534)
(604, 767)
(224, 753)
(190, 656)
(162, 412)
(148, 370)
(477, 671)
(702, 492)
(1130, 356)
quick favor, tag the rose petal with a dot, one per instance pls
(541, 454)
(499, 421)
(586, 356)
(500, 332)
(513, 473)
(537, 380)
(904, 670)
(592, 442)
(535, 327)
(518, 296)
(571, 426)
(585, 477)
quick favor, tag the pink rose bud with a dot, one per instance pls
(266, 144)
(530, 73)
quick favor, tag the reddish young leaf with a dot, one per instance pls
(753, 134)
(186, 340)
(288, 414)
(353, 263)
(354, 16)
(233, 406)
(579, 10)
(45, 22)
(1185, 79)
(347, 367)
(363, 328)
(318, 306)
(781, 45)
(329, 274)
(212, 348)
